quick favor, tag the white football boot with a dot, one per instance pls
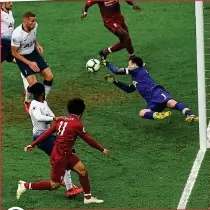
(21, 189)
(92, 200)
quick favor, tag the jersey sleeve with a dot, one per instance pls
(16, 40)
(36, 113)
(117, 70)
(89, 4)
(88, 139)
(51, 113)
(121, 71)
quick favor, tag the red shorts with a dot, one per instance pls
(60, 163)
(113, 25)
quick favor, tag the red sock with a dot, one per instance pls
(117, 47)
(84, 181)
(128, 45)
(42, 185)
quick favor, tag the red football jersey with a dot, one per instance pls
(109, 9)
(67, 131)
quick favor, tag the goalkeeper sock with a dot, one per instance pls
(183, 108)
(149, 115)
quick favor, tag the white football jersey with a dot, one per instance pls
(41, 116)
(7, 24)
(23, 40)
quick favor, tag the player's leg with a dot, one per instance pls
(119, 28)
(157, 102)
(3, 54)
(25, 83)
(48, 80)
(47, 145)
(31, 79)
(45, 72)
(29, 74)
(59, 163)
(79, 167)
(150, 114)
(183, 109)
(71, 189)
(41, 185)
(57, 171)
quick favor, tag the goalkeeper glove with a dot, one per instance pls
(110, 78)
(104, 62)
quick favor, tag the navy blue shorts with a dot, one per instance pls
(158, 100)
(6, 52)
(47, 145)
(35, 57)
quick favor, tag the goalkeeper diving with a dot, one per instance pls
(156, 97)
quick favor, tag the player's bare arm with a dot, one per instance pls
(86, 7)
(39, 47)
(31, 64)
(135, 7)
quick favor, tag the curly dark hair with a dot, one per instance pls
(76, 106)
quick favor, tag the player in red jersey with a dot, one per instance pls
(114, 22)
(62, 157)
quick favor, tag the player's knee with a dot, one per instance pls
(171, 104)
(83, 171)
(55, 185)
(142, 113)
(123, 35)
(49, 77)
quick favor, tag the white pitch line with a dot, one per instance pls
(191, 179)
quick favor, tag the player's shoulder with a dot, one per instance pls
(35, 104)
(18, 31)
(11, 13)
(75, 119)
(33, 107)
(45, 103)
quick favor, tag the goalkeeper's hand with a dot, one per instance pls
(104, 62)
(109, 78)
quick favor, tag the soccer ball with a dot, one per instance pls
(93, 65)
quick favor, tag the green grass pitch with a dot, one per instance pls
(149, 161)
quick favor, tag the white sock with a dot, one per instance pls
(68, 180)
(25, 82)
(28, 96)
(47, 90)
(109, 49)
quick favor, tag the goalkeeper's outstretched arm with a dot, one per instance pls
(115, 69)
(127, 88)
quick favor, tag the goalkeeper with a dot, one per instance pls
(156, 97)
